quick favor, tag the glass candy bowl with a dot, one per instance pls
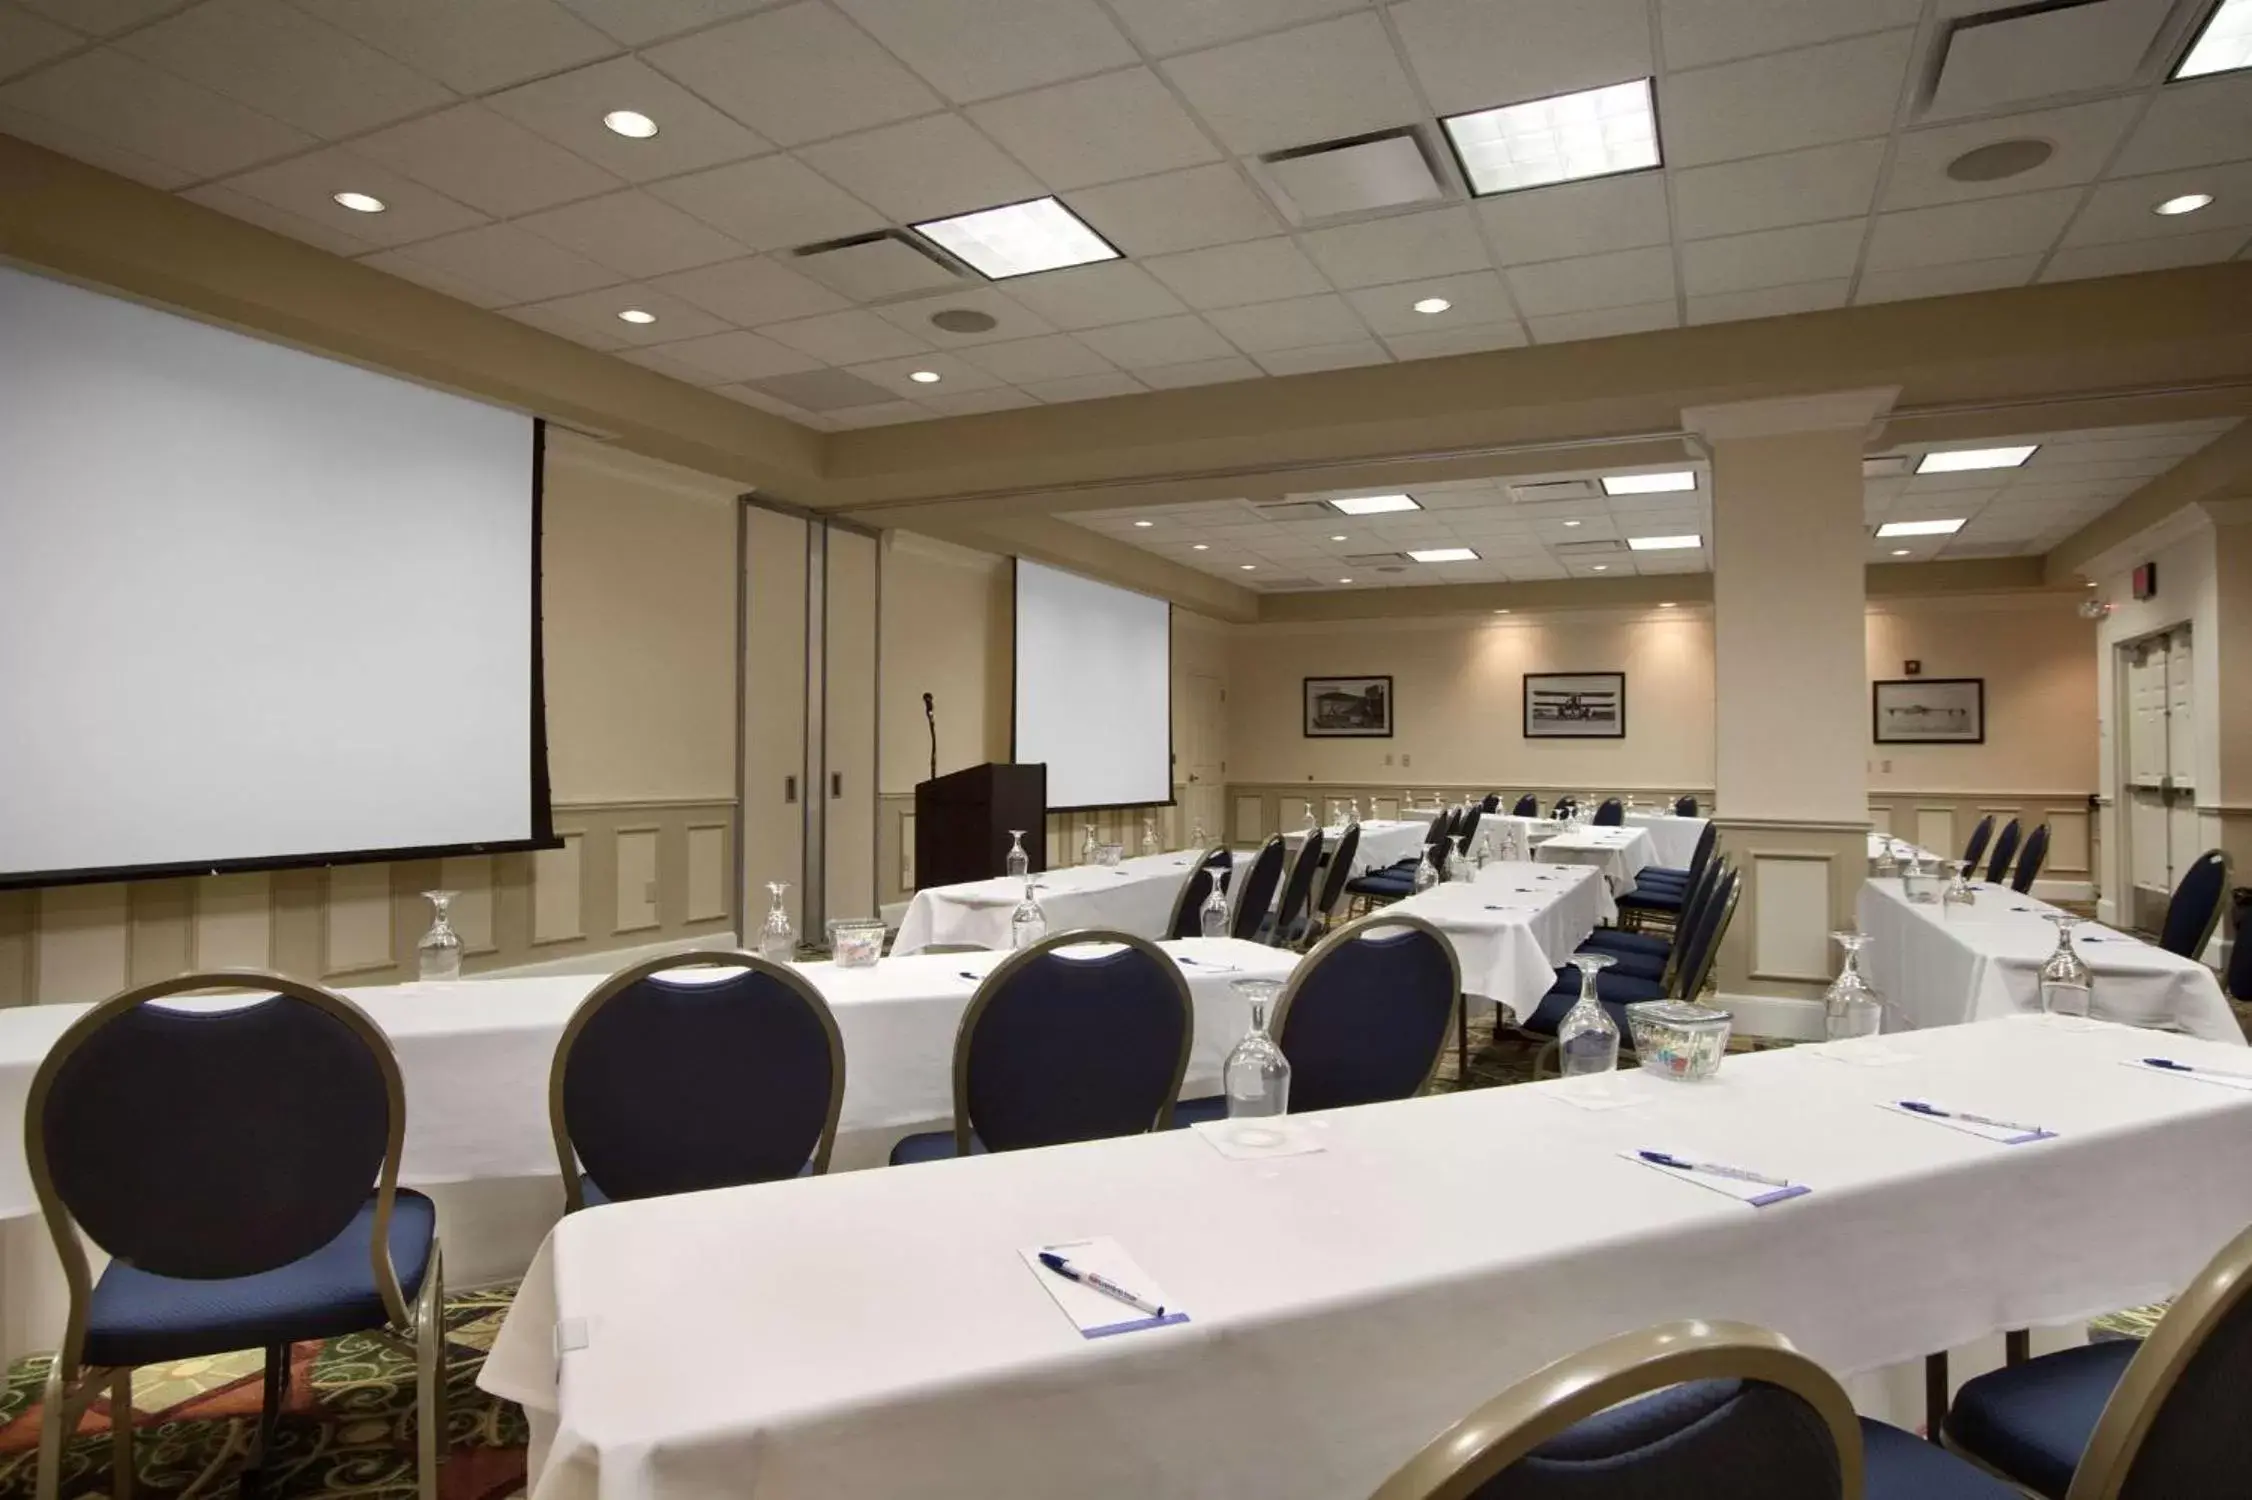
(856, 942)
(1678, 1040)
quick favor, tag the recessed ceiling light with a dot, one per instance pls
(931, 377)
(1602, 567)
(1444, 554)
(1900, 552)
(1200, 547)
(1432, 305)
(1920, 528)
(1145, 525)
(1374, 505)
(1248, 567)
(1344, 580)
(1501, 611)
(1957, 460)
(1593, 133)
(2224, 45)
(1664, 543)
(1649, 484)
(1339, 537)
(361, 203)
(2187, 203)
(1665, 604)
(636, 315)
(630, 123)
(1018, 239)
(1571, 523)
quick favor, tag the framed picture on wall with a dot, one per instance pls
(1929, 711)
(1348, 708)
(1575, 705)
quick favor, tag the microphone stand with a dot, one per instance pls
(930, 717)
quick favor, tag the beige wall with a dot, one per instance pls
(2038, 659)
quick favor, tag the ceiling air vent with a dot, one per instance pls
(1294, 510)
(1355, 176)
(2025, 52)
(1374, 559)
(1588, 549)
(871, 267)
(1554, 489)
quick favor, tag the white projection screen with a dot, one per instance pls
(1094, 689)
(257, 608)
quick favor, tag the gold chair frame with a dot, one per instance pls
(1380, 918)
(1188, 883)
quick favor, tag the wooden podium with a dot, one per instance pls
(962, 822)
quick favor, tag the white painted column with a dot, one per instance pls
(1791, 682)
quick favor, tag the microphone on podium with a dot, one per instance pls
(930, 717)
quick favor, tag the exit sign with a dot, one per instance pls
(2146, 581)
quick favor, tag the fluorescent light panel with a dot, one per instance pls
(1960, 460)
(1444, 554)
(1920, 528)
(1593, 133)
(2225, 44)
(1374, 505)
(1649, 484)
(1664, 543)
(1019, 239)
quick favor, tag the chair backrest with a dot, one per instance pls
(1221, 857)
(2005, 850)
(1684, 807)
(1059, 1046)
(1562, 807)
(2195, 908)
(1692, 964)
(1188, 907)
(205, 1144)
(1980, 836)
(1491, 804)
(1365, 1018)
(2029, 863)
(1454, 821)
(2174, 1426)
(1298, 889)
(1610, 813)
(1470, 822)
(1527, 806)
(665, 1084)
(1340, 871)
(1249, 898)
(1708, 838)
(1683, 1409)
(2240, 951)
(1693, 903)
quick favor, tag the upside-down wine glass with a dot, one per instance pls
(1256, 1076)
(1018, 863)
(777, 940)
(1149, 835)
(438, 955)
(1212, 916)
(2067, 984)
(1028, 924)
(1091, 849)
(1852, 1007)
(1588, 1039)
(1959, 890)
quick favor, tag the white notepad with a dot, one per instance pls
(1093, 1313)
(2006, 1133)
(2219, 1077)
(1756, 1194)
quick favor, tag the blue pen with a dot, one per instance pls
(1100, 1283)
(1933, 1111)
(2172, 1066)
(1710, 1169)
(2168, 1064)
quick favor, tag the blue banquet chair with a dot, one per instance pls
(1689, 970)
(1610, 813)
(1059, 1046)
(1651, 955)
(1491, 803)
(1249, 898)
(1684, 1411)
(1397, 880)
(1364, 1018)
(240, 1167)
(1297, 894)
(1685, 807)
(1975, 850)
(1527, 806)
(2194, 910)
(2160, 1418)
(1188, 907)
(2030, 861)
(2239, 978)
(1564, 807)
(1659, 894)
(2005, 850)
(1332, 891)
(665, 1084)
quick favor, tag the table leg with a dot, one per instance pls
(1935, 1393)
(2017, 1346)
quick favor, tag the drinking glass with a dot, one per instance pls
(1852, 1005)
(1426, 873)
(1212, 916)
(1588, 1039)
(1090, 849)
(2067, 984)
(1886, 862)
(1311, 825)
(438, 955)
(1019, 863)
(777, 940)
(1199, 840)
(1256, 1075)
(1149, 835)
(1959, 890)
(1352, 811)
(1028, 924)
(1919, 880)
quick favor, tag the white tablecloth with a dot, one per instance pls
(1673, 839)
(1620, 853)
(1512, 927)
(1133, 896)
(1941, 965)
(876, 1334)
(475, 1053)
(1384, 841)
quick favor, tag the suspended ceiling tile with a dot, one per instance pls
(1985, 229)
(1161, 341)
(1167, 26)
(1097, 130)
(924, 169)
(1773, 192)
(568, 109)
(1772, 257)
(1052, 356)
(1094, 296)
(501, 265)
(142, 109)
(752, 291)
(770, 203)
(472, 48)
(640, 22)
(1320, 82)
(1700, 32)
(493, 164)
(952, 43)
(1839, 91)
(1946, 281)
(1173, 211)
(633, 234)
(1580, 218)
(1588, 282)
(795, 74)
(306, 185)
(1475, 54)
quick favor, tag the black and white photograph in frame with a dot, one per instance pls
(1575, 705)
(1929, 711)
(1342, 708)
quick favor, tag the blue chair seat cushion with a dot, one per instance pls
(1897, 1465)
(1644, 899)
(930, 1145)
(1611, 940)
(1382, 885)
(1666, 872)
(138, 1318)
(1615, 991)
(1635, 966)
(2033, 1421)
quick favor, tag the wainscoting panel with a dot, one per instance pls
(2069, 841)
(358, 924)
(1266, 807)
(1791, 920)
(1880, 819)
(1943, 822)
(1250, 817)
(1935, 830)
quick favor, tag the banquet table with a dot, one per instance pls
(1384, 841)
(475, 1053)
(1343, 1306)
(1512, 926)
(1673, 838)
(1133, 896)
(1620, 853)
(1942, 965)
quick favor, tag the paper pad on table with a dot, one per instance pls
(2218, 1076)
(2011, 1134)
(1858, 1055)
(1206, 965)
(1254, 1140)
(1093, 1313)
(1757, 1194)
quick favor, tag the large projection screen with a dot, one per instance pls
(257, 608)
(1094, 689)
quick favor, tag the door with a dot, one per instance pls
(2159, 796)
(774, 714)
(848, 840)
(1200, 760)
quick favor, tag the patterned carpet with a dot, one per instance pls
(347, 1430)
